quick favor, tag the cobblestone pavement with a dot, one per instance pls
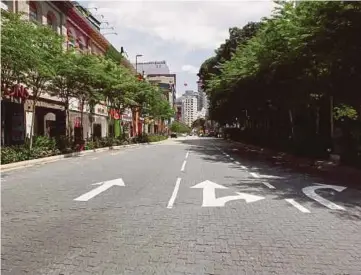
(156, 224)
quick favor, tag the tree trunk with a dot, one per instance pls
(135, 120)
(331, 117)
(67, 112)
(32, 123)
(81, 117)
(292, 124)
(317, 120)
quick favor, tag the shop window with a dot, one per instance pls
(51, 21)
(71, 38)
(34, 14)
(97, 130)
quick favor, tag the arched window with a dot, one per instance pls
(82, 44)
(71, 38)
(33, 11)
(51, 21)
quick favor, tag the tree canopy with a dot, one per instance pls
(284, 77)
(178, 127)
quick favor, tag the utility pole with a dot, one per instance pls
(136, 61)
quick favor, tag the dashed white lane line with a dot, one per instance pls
(94, 158)
(231, 158)
(174, 194)
(270, 186)
(183, 165)
(297, 205)
(254, 175)
(187, 155)
(236, 162)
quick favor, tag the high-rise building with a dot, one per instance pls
(189, 107)
(152, 67)
(203, 99)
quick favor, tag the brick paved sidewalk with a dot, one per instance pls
(322, 168)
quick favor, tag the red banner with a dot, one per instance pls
(114, 114)
(17, 91)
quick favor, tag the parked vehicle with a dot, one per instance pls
(173, 135)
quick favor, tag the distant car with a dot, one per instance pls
(173, 135)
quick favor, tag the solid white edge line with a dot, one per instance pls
(297, 205)
(269, 185)
(254, 175)
(183, 165)
(187, 155)
(174, 194)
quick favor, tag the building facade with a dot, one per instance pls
(82, 32)
(167, 82)
(189, 108)
(152, 67)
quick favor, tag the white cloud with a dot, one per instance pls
(190, 68)
(174, 30)
(195, 24)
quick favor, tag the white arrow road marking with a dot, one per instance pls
(254, 175)
(103, 186)
(297, 205)
(209, 195)
(310, 192)
(270, 186)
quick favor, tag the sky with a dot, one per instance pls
(183, 33)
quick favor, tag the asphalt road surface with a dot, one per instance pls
(184, 206)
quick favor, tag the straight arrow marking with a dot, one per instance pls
(103, 186)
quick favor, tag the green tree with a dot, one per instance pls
(15, 55)
(178, 127)
(286, 75)
(44, 47)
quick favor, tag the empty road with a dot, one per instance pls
(184, 206)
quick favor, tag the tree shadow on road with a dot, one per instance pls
(288, 182)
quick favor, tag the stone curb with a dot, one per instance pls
(325, 169)
(28, 163)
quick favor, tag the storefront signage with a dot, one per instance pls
(114, 114)
(77, 122)
(17, 91)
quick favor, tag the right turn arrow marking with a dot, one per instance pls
(209, 195)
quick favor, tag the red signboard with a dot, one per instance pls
(16, 91)
(77, 123)
(114, 114)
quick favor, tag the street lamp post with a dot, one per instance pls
(136, 61)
